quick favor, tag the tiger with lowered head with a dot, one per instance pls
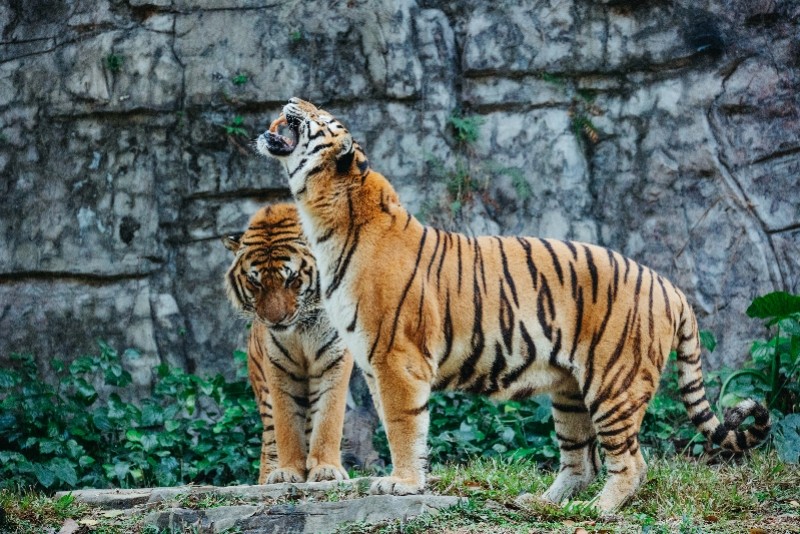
(509, 317)
(298, 366)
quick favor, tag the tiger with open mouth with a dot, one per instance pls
(509, 317)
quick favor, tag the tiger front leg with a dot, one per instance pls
(403, 383)
(269, 450)
(289, 405)
(327, 398)
(258, 366)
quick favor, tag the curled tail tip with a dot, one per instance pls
(728, 435)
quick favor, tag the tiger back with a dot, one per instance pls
(508, 317)
(297, 364)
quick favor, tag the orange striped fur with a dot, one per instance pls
(509, 317)
(296, 361)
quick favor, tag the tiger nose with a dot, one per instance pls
(294, 100)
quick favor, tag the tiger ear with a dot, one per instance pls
(232, 241)
(345, 155)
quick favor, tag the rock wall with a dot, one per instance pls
(668, 130)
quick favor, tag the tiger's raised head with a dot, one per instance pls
(273, 277)
(316, 144)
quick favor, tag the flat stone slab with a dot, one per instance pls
(128, 498)
(301, 517)
(264, 508)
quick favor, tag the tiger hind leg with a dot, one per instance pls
(618, 432)
(580, 459)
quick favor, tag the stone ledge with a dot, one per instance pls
(305, 514)
(128, 498)
(301, 517)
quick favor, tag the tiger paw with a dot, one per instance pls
(327, 472)
(285, 474)
(395, 486)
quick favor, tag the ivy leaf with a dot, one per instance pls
(121, 470)
(149, 442)
(787, 438)
(8, 379)
(43, 474)
(708, 340)
(778, 304)
(64, 471)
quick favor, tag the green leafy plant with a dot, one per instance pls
(464, 426)
(666, 425)
(295, 36)
(553, 78)
(466, 128)
(772, 372)
(240, 79)
(114, 62)
(775, 362)
(79, 432)
(235, 127)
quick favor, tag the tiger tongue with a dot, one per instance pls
(277, 123)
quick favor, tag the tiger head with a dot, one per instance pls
(316, 142)
(273, 278)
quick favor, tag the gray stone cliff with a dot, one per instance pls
(668, 130)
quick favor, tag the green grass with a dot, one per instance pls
(680, 495)
(32, 512)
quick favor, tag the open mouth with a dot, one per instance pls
(281, 138)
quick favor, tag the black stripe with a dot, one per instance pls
(477, 339)
(448, 330)
(592, 272)
(498, 366)
(506, 273)
(352, 326)
(570, 408)
(448, 240)
(320, 147)
(571, 247)
(553, 256)
(702, 417)
(578, 324)
(458, 240)
(544, 308)
(299, 166)
(506, 318)
(433, 254)
(281, 348)
(408, 286)
(417, 411)
(529, 261)
(531, 357)
(326, 346)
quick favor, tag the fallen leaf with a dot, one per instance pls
(581, 530)
(70, 526)
(112, 513)
(89, 522)
(568, 523)
(756, 530)
(711, 518)
(794, 504)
